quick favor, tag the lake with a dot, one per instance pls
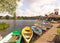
(18, 24)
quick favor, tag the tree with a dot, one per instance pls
(14, 16)
(7, 17)
(0, 17)
(8, 6)
(46, 15)
(18, 17)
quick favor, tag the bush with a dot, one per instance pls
(3, 26)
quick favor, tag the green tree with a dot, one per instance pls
(7, 17)
(0, 17)
(14, 16)
(18, 17)
(8, 6)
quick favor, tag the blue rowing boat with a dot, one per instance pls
(36, 30)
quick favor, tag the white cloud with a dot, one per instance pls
(37, 7)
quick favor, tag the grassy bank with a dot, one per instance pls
(3, 26)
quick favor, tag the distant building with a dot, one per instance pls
(54, 16)
(56, 11)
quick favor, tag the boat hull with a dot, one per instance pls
(27, 34)
(36, 30)
(12, 37)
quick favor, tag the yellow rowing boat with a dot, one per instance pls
(27, 33)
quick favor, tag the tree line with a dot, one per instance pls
(22, 17)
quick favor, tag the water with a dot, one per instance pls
(20, 24)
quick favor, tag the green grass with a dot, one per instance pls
(3, 26)
(58, 30)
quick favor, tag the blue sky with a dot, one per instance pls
(37, 7)
(25, 5)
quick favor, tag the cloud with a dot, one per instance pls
(37, 7)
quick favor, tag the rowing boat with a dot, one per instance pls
(13, 37)
(39, 26)
(46, 25)
(43, 26)
(36, 30)
(27, 34)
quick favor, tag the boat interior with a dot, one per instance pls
(14, 37)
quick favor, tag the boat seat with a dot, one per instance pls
(14, 37)
(27, 34)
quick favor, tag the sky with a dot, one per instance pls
(36, 7)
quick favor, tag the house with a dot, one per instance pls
(53, 16)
